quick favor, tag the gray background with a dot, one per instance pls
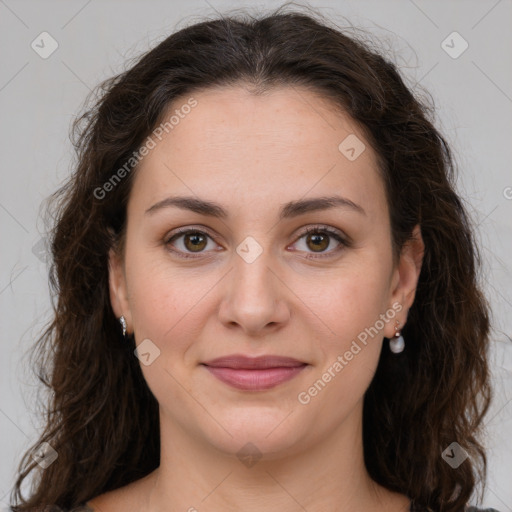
(39, 98)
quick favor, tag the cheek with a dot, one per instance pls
(351, 308)
(167, 309)
(349, 299)
(168, 304)
(153, 296)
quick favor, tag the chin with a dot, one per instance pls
(269, 436)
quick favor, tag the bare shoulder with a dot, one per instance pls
(130, 497)
(108, 502)
(112, 501)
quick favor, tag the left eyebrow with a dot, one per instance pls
(296, 208)
(288, 210)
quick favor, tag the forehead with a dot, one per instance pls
(248, 148)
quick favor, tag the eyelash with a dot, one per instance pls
(316, 229)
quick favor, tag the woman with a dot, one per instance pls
(267, 288)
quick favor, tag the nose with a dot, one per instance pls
(254, 297)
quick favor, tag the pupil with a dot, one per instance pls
(195, 239)
(315, 238)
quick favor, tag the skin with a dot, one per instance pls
(253, 154)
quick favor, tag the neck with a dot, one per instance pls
(327, 475)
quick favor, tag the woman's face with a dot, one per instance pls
(251, 281)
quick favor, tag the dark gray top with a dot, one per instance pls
(475, 509)
(414, 508)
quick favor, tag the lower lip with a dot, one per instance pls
(255, 380)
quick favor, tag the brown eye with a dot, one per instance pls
(319, 241)
(195, 242)
(187, 242)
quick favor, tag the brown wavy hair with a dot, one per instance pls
(101, 417)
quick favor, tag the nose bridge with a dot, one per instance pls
(252, 277)
(253, 299)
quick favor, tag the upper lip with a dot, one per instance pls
(239, 361)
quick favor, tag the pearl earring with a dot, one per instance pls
(397, 344)
(123, 324)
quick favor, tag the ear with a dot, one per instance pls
(405, 278)
(117, 287)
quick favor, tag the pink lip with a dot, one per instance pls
(256, 373)
(255, 380)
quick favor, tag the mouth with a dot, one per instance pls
(254, 374)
